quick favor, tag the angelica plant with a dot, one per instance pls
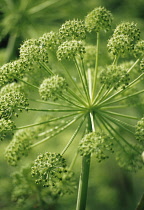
(64, 72)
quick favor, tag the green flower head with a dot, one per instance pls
(98, 19)
(70, 49)
(19, 146)
(49, 168)
(97, 144)
(6, 126)
(73, 29)
(52, 87)
(115, 76)
(11, 99)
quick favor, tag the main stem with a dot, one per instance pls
(84, 177)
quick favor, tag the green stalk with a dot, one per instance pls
(96, 65)
(84, 176)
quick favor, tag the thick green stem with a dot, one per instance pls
(84, 177)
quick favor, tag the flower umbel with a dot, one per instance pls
(80, 91)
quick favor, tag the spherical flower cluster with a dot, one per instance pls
(11, 97)
(49, 40)
(31, 51)
(119, 45)
(129, 29)
(98, 19)
(49, 168)
(114, 76)
(129, 159)
(70, 49)
(19, 146)
(139, 48)
(97, 144)
(73, 29)
(124, 38)
(52, 87)
(10, 71)
(139, 132)
(89, 56)
(6, 126)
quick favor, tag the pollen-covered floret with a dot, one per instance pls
(98, 19)
(115, 76)
(129, 158)
(49, 41)
(19, 146)
(10, 71)
(52, 87)
(49, 168)
(73, 29)
(31, 51)
(6, 126)
(139, 132)
(11, 99)
(97, 144)
(70, 49)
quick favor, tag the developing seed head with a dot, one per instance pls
(139, 132)
(12, 70)
(19, 146)
(49, 41)
(70, 49)
(52, 87)
(73, 29)
(98, 19)
(114, 76)
(31, 51)
(129, 159)
(12, 97)
(6, 126)
(139, 48)
(97, 144)
(49, 168)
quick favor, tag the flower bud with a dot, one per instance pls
(139, 131)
